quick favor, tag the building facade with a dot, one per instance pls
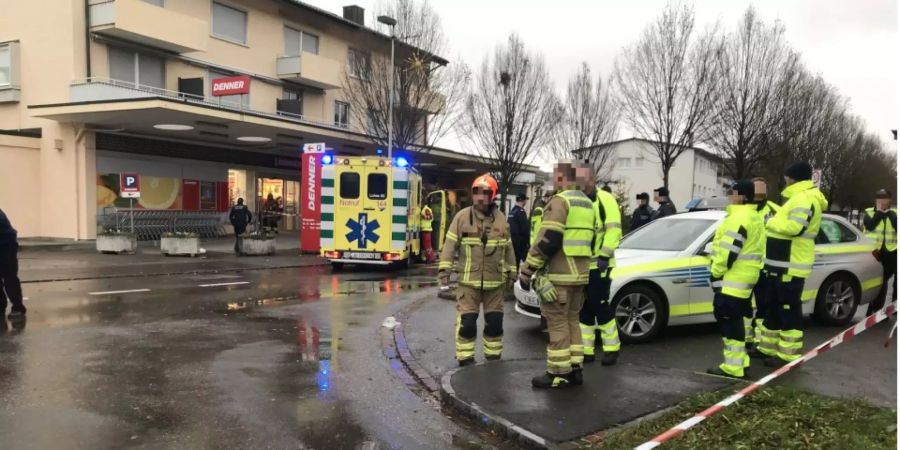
(635, 168)
(207, 100)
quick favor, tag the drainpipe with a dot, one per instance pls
(87, 37)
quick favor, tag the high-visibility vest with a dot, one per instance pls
(609, 228)
(738, 251)
(578, 236)
(884, 234)
(536, 217)
(792, 231)
(427, 218)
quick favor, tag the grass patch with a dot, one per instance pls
(774, 417)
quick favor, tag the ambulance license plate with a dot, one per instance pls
(362, 255)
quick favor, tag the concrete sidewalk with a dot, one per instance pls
(64, 261)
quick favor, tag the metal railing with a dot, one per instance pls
(152, 91)
(149, 225)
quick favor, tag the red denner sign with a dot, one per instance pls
(231, 85)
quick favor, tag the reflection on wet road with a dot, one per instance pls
(245, 360)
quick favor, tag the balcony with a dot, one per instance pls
(141, 22)
(310, 69)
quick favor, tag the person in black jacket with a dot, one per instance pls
(240, 216)
(519, 229)
(10, 287)
(643, 214)
(666, 208)
(881, 226)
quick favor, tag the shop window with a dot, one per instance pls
(377, 186)
(207, 195)
(349, 185)
(229, 23)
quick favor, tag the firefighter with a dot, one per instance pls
(734, 270)
(537, 214)
(560, 259)
(765, 209)
(427, 219)
(596, 314)
(790, 241)
(881, 227)
(486, 260)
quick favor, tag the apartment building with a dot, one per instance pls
(207, 100)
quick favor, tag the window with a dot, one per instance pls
(137, 68)
(341, 114)
(5, 66)
(291, 102)
(229, 23)
(639, 161)
(667, 234)
(349, 185)
(377, 185)
(239, 100)
(832, 232)
(295, 41)
(358, 63)
(624, 163)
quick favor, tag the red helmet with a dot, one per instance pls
(486, 182)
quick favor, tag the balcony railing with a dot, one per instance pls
(100, 89)
(310, 69)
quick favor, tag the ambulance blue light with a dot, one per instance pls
(327, 159)
(379, 151)
(402, 162)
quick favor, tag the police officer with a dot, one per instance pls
(561, 258)
(881, 227)
(765, 209)
(643, 214)
(519, 228)
(10, 287)
(486, 261)
(239, 216)
(790, 241)
(426, 221)
(537, 214)
(734, 269)
(666, 208)
(596, 314)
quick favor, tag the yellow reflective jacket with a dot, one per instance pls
(609, 228)
(738, 251)
(536, 216)
(881, 230)
(564, 240)
(791, 232)
(485, 250)
(427, 218)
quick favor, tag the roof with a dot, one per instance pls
(707, 154)
(353, 25)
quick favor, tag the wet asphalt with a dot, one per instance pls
(280, 359)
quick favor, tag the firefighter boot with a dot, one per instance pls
(553, 381)
(609, 358)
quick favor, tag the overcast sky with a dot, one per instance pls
(852, 43)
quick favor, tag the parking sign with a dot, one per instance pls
(130, 185)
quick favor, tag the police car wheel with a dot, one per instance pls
(837, 300)
(640, 313)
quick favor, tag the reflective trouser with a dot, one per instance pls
(729, 312)
(780, 332)
(889, 264)
(469, 301)
(597, 315)
(753, 321)
(565, 351)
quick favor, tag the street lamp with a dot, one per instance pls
(391, 22)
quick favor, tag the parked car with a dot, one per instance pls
(662, 275)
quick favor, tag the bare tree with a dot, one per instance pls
(755, 61)
(511, 110)
(667, 83)
(429, 91)
(589, 118)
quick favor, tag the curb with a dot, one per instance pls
(157, 274)
(400, 350)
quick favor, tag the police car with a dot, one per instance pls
(662, 275)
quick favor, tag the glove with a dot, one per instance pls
(525, 281)
(545, 290)
(602, 264)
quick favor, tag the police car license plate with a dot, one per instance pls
(362, 255)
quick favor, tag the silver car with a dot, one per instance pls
(662, 275)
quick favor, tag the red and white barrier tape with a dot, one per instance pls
(861, 326)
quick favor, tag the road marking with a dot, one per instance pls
(224, 284)
(119, 292)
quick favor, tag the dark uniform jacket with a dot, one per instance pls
(8, 234)
(641, 216)
(519, 230)
(665, 209)
(240, 216)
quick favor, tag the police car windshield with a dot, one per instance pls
(673, 235)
